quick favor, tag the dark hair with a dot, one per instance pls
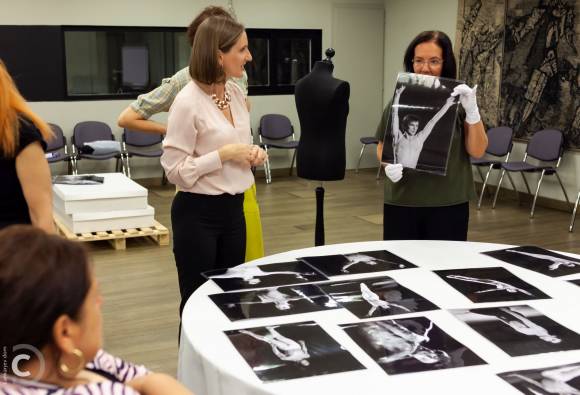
(42, 277)
(206, 13)
(442, 40)
(214, 34)
(407, 119)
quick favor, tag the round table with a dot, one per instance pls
(210, 365)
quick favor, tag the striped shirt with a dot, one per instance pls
(115, 371)
(161, 98)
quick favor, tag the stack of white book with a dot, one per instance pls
(117, 203)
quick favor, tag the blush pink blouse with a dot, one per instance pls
(196, 129)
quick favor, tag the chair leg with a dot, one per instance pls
(362, 150)
(379, 171)
(537, 192)
(128, 166)
(526, 184)
(75, 170)
(480, 173)
(571, 229)
(483, 186)
(514, 186)
(293, 160)
(498, 188)
(563, 190)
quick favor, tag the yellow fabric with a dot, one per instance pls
(254, 239)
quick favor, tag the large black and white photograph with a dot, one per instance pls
(262, 276)
(575, 282)
(519, 330)
(376, 297)
(538, 259)
(410, 345)
(357, 263)
(490, 284)
(272, 302)
(291, 351)
(422, 121)
(559, 380)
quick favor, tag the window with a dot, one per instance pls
(280, 58)
(121, 62)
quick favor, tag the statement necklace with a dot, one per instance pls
(222, 104)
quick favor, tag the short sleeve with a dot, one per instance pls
(28, 133)
(118, 368)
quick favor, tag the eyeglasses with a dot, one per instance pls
(431, 62)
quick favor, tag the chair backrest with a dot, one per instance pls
(88, 131)
(141, 139)
(499, 141)
(58, 141)
(546, 145)
(275, 127)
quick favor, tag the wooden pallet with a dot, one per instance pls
(118, 238)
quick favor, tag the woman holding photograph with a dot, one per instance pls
(423, 206)
(207, 155)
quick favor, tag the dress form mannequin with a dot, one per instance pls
(322, 104)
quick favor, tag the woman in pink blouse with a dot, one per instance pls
(51, 324)
(207, 154)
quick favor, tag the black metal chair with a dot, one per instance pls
(499, 146)
(87, 132)
(57, 149)
(134, 144)
(546, 146)
(368, 140)
(273, 132)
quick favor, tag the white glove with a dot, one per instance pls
(468, 99)
(394, 172)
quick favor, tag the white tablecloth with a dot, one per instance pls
(210, 365)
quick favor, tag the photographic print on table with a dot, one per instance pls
(376, 297)
(519, 330)
(490, 284)
(290, 351)
(272, 302)
(410, 345)
(421, 123)
(561, 379)
(538, 259)
(575, 282)
(357, 263)
(261, 276)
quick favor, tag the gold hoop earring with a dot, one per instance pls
(71, 372)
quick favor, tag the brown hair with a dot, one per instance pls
(12, 107)
(215, 33)
(206, 13)
(42, 277)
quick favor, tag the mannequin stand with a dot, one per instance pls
(319, 229)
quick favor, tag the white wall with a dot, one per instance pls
(304, 14)
(404, 19)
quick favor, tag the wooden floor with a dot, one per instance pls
(139, 284)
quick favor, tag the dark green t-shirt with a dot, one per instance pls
(420, 189)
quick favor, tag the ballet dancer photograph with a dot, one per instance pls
(410, 345)
(376, 297)
(520, 330)
(290, 351)
(273, 302)
(490, 284)
(538, 259)
(261, 276)
(560, 380)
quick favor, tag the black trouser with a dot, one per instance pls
(426, 223)
(209, 232)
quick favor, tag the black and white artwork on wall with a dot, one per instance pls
(422, 122)
(525, 54)
(490, 284)
(272, 302)
(357, 263)
(538, 259)
(376, 297)
(410, 345)
(520, 330)
(290, 351)
(559, 380)
(260, 276)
